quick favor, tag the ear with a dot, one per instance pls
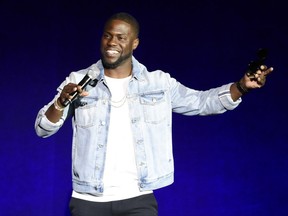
(135, 43)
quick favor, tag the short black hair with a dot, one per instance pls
(128, 18)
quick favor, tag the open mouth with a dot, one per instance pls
(112, 53)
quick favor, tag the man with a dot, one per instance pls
(122, 141)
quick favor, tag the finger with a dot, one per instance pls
(84, 93)
(70, 88)
(268, 71)
(263, 67)
(257, 74)
(250, 75)
(261, 81)
(81, 92)
(78, 89)
(67, 92)
(64, 96)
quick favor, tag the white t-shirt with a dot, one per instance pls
(120, 173)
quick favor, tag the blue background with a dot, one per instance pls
(233, 164)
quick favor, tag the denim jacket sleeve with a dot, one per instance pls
(189, 101)
(44, 127)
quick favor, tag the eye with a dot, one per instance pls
(106, 36)
(122, 38)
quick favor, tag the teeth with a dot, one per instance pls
(111, 52)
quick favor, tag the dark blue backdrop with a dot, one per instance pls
(233, 164)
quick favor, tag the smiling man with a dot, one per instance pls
(122, 135)
(118, 42)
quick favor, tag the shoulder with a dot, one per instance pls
(76, 76)
(144, 72)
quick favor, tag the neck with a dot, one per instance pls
(119, 72)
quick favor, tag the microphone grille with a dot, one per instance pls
(93, 73)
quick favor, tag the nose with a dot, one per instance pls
(112, 41)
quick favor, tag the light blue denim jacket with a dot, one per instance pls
(152, 96)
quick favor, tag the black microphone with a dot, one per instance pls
(255, 65)
(91, 75)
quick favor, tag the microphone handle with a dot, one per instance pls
(83, 83)
(253, 66)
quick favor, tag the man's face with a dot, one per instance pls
(117, 44)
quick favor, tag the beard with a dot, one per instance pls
(117, 63)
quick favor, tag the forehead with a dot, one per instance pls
(118, 27)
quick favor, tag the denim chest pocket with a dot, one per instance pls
(154, 106)
(85, 116)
